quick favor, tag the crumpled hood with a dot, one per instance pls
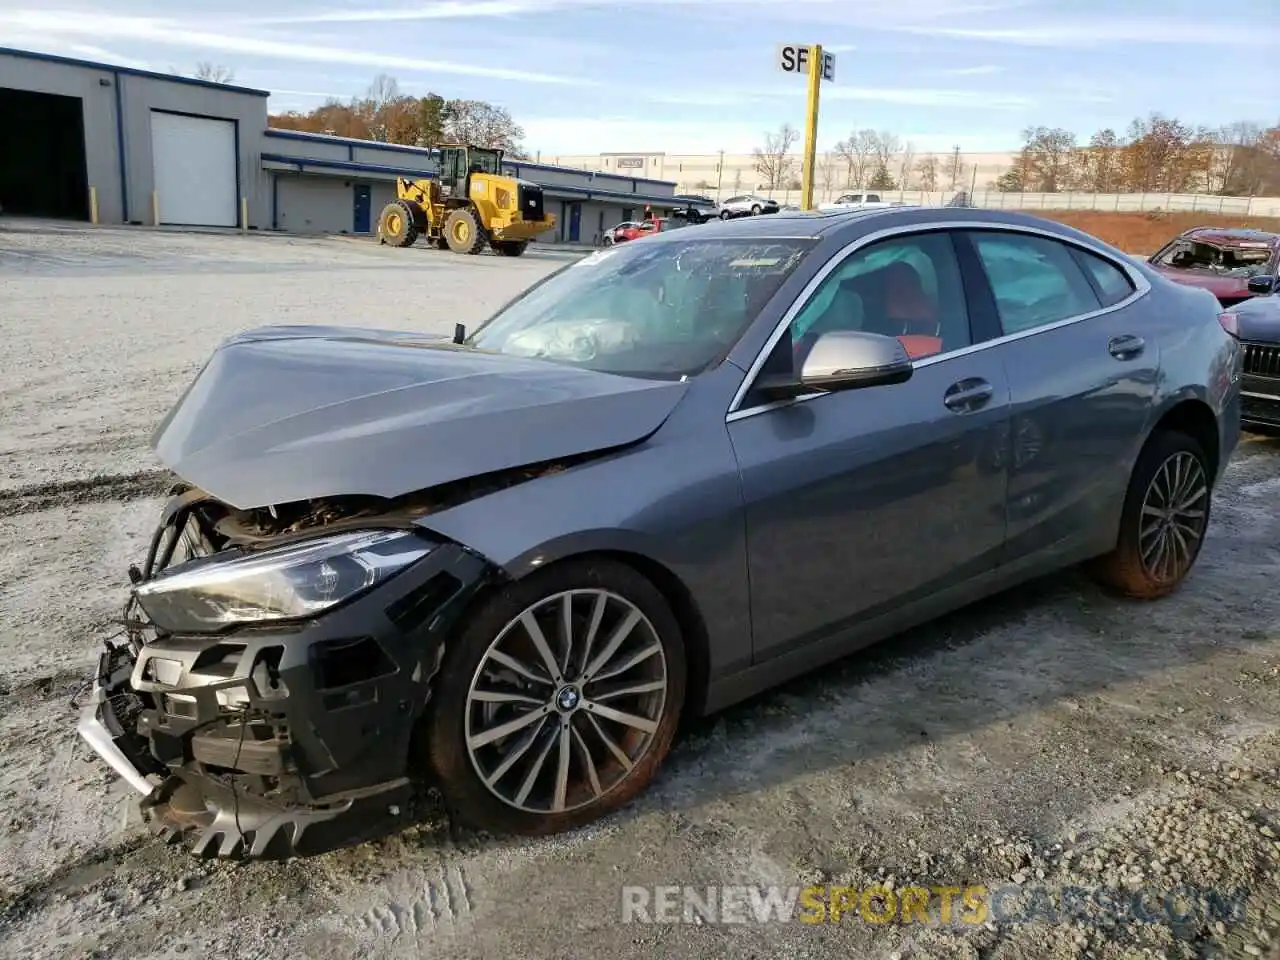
(1224, 288)
(290, 413)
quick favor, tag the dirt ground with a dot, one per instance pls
(1145, 233)
(1046, 738)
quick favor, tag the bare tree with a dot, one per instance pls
(773, 161)
(214, 72)
(485, 125)
(857, 153)
(908, 156)
(886, 145)
(927, 173)
(828, 168)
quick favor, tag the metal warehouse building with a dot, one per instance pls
(84, 140)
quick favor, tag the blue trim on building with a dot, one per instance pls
(275, 203)
(347, 165)
(350, 143)
(129, 71)
(124, 173)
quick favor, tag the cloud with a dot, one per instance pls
(1102, 32)
(852, 12)
(980, 71)
(103, 55)
(171, 33)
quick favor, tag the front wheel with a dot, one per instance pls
(755, 210)
(511, 248)
(559, 700)
(1166, 514)
(725, 214)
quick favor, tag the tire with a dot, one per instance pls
(607, 241)
(554, 804)
(463, 232)
(511, 248)
(1135, 568)
(398, 224)
(725, 214)
(755, 209)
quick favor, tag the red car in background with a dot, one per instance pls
(1231, 263)
(632, 230)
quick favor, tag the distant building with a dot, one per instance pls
(736, 173)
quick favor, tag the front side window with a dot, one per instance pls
(1035, 280)
(654, 310)
(907, 287)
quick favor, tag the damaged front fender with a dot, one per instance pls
(284, 738)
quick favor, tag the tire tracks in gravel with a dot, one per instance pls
(103, 488)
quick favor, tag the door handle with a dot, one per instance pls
(965, 396)
(1126, 347)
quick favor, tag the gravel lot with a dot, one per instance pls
(1048, 737)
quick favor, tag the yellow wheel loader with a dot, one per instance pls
(472, 205)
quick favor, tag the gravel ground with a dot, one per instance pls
(1048, 738)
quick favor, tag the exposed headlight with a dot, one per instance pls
(286, 583)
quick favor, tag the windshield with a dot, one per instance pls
(1228, 260)
(654, 310)
(485, 160)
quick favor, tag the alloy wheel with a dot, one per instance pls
(566, 701)
(1173, 518)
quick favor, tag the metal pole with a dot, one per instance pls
(719, 175)
(811, 127)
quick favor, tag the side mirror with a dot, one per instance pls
(844, 360)
(1261, 285)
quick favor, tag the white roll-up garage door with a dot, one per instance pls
(194, 160)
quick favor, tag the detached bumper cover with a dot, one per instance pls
(278, 740)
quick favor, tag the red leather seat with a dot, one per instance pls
(906, 303)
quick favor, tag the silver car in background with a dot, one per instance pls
(747, 204)
(667, 477)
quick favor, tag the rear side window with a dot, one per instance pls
(1036, 281)
(1113, 283)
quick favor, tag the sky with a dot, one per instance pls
(698, 76)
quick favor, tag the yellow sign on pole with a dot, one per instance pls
(795, 58)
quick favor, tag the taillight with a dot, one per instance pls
(1230, 323)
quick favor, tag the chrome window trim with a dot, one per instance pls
(1140, 283)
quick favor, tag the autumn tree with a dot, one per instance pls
(927, 173)
(773, 161)
(858, 152)
(1046, 158)
(1097, 166)
(387, 115)
(1155, 157)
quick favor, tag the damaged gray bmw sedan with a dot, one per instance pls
(667, 477)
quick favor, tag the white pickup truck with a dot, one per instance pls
(855, 201)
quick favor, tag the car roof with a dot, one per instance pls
(848, 225)
(1229, 235)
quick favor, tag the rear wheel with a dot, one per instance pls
(725, 214)
(463, 232)
(398, 225)
(558, 701)
(511, 248)
(755, 210)
(1166, 514)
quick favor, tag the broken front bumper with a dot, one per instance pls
(276, 740)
